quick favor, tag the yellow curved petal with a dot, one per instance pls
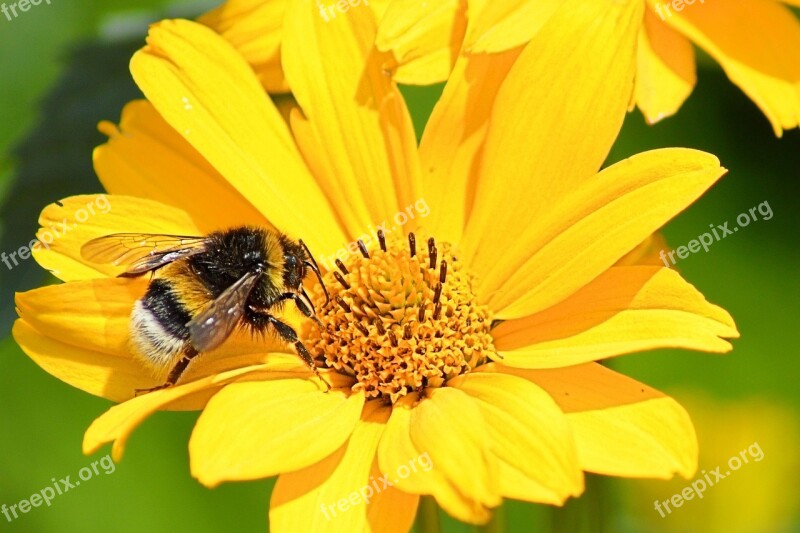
(621, 427)
(423, 37)
(625, 310)
(757, 43)
(665, 69)
(357, 118)
(251, 430)
(145, 157)
(500, 26)
(554, 120)
(254, 28)
(101, 374)
(390, 510)
(647, 253)
(529, 434)
(451, 145)
(67, 225)
(207, 93)
(449, 426)
(327, 496)
(92, 314)
(592, 227)
(396, 452)
(117, 424)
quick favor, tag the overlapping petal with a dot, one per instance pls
(757, 44)
(358, 130)
(206, 92)
(515, 413)
(424, 38)
(626, 309)
(621, 427)
(67, 225)
(252, 430)
(665, 69)
(146, 158)
(548, 133)
(329, 496)
(593, 226)
(255, 29)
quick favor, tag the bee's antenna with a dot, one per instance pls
(312, 264)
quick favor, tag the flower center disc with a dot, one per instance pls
(402, 317)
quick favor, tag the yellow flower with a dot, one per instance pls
(462, 367)
(757, 43)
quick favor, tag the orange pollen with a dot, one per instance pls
(401, 318)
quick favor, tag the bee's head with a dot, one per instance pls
(297, 261)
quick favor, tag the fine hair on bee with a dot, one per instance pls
(203, 288)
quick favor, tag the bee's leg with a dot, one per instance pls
(302, 303)
(288, 334)
(174, 374)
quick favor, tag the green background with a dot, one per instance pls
(47, 116)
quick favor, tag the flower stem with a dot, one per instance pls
(427, 516)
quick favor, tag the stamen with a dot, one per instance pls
(382, 239)
(392, 338)
(379, 326)
(407, 332)
(437, 293)
(432, 252)
(342, 267)
(341, 280)
(361, 328)
(412, 244)
(363, 248)
(437, 311)
(421, 315)
(442, 271)
(343, 304)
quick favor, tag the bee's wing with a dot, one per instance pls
(141, 252)
(216, 322)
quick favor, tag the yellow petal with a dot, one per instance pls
(330, 495)
(396, 452)
(424, 38)
(529, 434)
(552, 125)
(621, 427)
(357, 118)
(91, 314)
(101, 374)
(450, 427)
(252, 430)
(390, 510)
(254, 28)
(500, 26)
(117, 424)
(665, 69)
(647, 253)
(145, 157)
(207, 93)
(67, 225)
(625, 310)
(757, 44)
(591, 228)
(453, 139)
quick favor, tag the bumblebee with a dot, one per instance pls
(203, 288)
